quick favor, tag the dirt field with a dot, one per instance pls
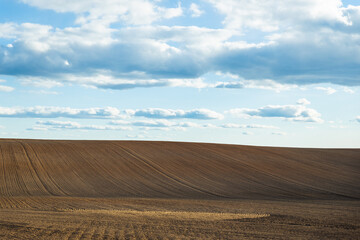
(90, 218)
(164, 190)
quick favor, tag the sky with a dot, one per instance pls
(268, 73)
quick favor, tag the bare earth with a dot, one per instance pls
(166, 190)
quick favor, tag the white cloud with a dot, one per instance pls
(303, 101)
(195, 10)
(108, 82)
(137, 136)
(272, 15)
(158, 124)
(266, 84)
(297, 57)
(174, 114)
(188, 38)
(290, 112)
(307, 37)
(358, 119)
(311, 41)
(328, 90)
(55, 125)
(230, 85)
(43, 54)
(6, 88)
(55, 112)
(147, 123)
(348, 90)
(44, 92)
(108, 11)
(171, 12)
(40, 82)
(234, 125)
(106, 113)
(7, 30)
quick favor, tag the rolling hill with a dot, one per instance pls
(175, 170)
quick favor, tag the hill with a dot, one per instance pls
(175, 170)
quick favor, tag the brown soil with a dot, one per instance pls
(129, 189)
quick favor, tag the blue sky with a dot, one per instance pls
(274, 73)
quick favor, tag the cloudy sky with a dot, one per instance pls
(275, 73)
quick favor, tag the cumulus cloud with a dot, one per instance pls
(105, 113)
(129, 84)
(159, 124)
(306, 39)
(56, 112)
(5, 88)
(303, 101)
(107, 82)
(306, 42)
(56, 125)
(175, 114)
(294, 58)
(195, 10)
(290, 112)
(40, 82)
(328, 90)
(231, 85)
(44, 92)
(79, 54)
(155, 123)
(110, 10)
(266, 84)
(42, 51)
(170, 12)
(273, 15)
(348, 90)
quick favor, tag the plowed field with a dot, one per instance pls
(129, 189)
